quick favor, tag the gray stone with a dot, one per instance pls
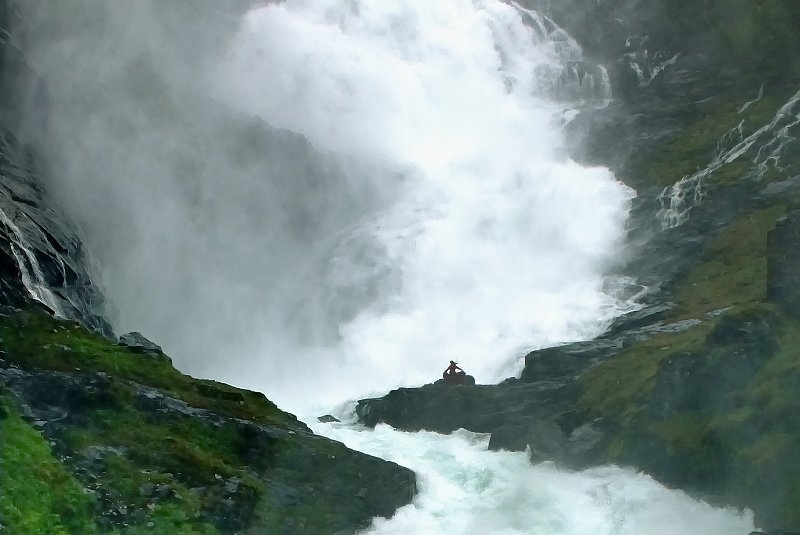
(788, 186)
(137, 342)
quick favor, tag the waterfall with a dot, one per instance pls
(31, 273)
(471, 491)
(332, 198)
(321, 199)
(764, 147)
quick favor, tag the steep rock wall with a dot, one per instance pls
(41, 255)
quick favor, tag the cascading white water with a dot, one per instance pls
(764, 147)
(30, 272)
(470, 491)
(493, 241)
(432, 214)
(322, 199)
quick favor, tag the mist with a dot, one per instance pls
(320, 200)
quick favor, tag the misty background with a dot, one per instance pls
(328, 198)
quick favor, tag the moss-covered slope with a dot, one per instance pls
(97, 438)
(714, 408)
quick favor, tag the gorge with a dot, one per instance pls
(589, 205)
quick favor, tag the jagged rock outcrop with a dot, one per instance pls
(109, 438)
(137, 343)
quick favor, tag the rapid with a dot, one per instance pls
(326, 199)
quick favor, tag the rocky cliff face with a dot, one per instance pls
(701, 388)
(40, 250)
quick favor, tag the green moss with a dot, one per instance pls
(168, 519)
(37, 493)
(775, 389)
(789, 510)
(701, 453)
(740, 436)
(759, 32)
(35, 340)
(769, 448)
(140, 447)
(694, 146)
(124, 480)
(706, 129)
(165, 453)
(616, 386)
(175, 452)
(733, 268)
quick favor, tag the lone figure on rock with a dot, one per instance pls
(453, 372)
(453, 375)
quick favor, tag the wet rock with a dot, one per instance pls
(569, 361)
(214, 465)
(783, 263)
(36, 238)
(456, 380)
(98, 453)
(146, 489)
(544, 439)
(327, 419)
(215, 390)
(586, 442)
(518, 415)
(137, 342)
(790, 186)
(284, 495)
(648, 315)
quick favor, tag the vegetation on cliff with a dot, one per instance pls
(714, 407)
(97, 437)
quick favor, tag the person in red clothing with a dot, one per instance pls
(453, 373)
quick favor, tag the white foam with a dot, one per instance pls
(495, 243)
(468, 490)
(435, 216)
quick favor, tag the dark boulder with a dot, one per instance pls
(138, 343)
(455, 379)
(544, 438)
